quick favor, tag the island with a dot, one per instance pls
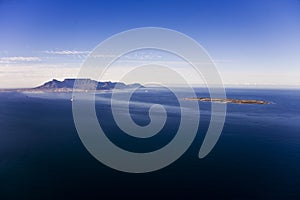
(226, 100)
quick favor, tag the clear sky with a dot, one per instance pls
(251, 41)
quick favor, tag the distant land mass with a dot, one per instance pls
(82, 85)
(86, 85)
(225, 100)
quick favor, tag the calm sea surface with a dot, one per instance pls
(256, 157)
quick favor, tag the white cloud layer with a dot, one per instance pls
(16, 59)
(67, 52)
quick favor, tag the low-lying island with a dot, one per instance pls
(235, 101)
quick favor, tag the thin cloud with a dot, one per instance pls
(16, 59)
(67, 52)
(103, 56)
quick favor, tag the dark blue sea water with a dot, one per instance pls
(256, 157)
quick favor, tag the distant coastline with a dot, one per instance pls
(82, 85)
(88, 85)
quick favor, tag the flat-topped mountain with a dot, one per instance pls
(81, 84)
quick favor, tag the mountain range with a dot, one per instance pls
(82, 85)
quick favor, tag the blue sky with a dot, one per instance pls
(252, 42)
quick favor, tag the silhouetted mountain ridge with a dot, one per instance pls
(84, 84)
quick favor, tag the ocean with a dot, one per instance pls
(256, 157)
